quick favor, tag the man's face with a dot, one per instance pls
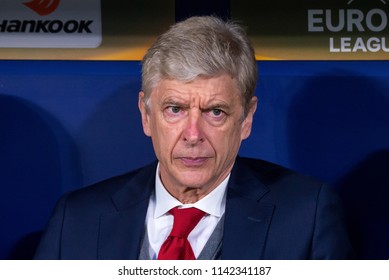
(196, 129)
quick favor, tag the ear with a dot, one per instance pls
(144, 113)
(248, 121)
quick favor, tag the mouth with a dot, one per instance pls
(193, 161)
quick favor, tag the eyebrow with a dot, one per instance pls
(183, 102)
(172, 101)
(217, 104)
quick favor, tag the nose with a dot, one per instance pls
(193, 130)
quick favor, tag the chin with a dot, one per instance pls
(193, 180)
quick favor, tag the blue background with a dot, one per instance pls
(67, 124)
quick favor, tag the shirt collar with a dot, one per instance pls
(214, 203)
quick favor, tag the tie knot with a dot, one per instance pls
(185, 220)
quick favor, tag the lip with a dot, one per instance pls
(193, 161)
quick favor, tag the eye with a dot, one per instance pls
(174, 109)
(173, 113)
(215, 116)
(216, 112)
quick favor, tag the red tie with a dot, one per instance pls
(176, 245)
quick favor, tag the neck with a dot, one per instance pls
(188, 195)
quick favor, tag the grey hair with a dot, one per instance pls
(201, 47)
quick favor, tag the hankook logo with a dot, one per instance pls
(43, 7)
(352, 29)
(50, 24)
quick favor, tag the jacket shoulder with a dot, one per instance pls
(271, 173)
(102, 192)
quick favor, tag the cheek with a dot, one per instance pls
(225, 140)
(166, 136)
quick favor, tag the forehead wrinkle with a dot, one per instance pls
(214, 101)
(172, 95)
(196, 94)
(189, 96)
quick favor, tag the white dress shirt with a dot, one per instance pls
(159, 222)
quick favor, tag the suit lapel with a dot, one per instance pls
(247, 217)
(121, 232)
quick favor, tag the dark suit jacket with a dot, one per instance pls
(271, 213)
